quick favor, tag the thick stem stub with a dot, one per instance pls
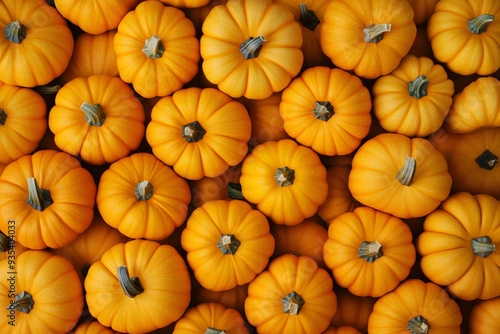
(23, 302)
(94, 114)
(308, 18)
(480, 23)
(5, 242)
(153, 47)
(38, 198)
(211, 330)
(251, 47)
(487, 160)
(370, 251)
(234, 191)
(292, 303)
(228, 244)
(418, 87)
(284, 176)
(15, 32)
(374, 33)
(323, 110)
(144, 190)
(405, 175)
(3, 117)
(483, 246)
(418, 325)
(193, 132)
(131, 286)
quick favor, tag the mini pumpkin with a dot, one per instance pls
(341, 330)
(353, 310)
(93, 327)
(233, 298)
(484, 317)
(423, 10)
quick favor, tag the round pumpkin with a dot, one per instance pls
(405, 177)
(352, 310)
(423, 9)
(368, 251)
(138, 286)
(369, 37)
(142, 197)
(38, 43)
(474, 28)
(341, 330)
(293, 295)
(414, 99)
(97, 118)
(49, 197)
(156, 49)
(458, 246)
(251, 48)
(484, 317)
(93, 327)
(418, 307)
(23, 122)
(227, 243)
(40, 293)
(326, 109)
(232, 298)
(286, 181)
(199, 132)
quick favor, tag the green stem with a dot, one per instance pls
(308, 18)
(131, 286)
(144, 190)
(5, 242)
(211, 330)
(487, 160)
(251, 47)
(23, 302)
(234, 191)
(3, 117)
(47, 89)
(292, 303)
(405, 175)
(193, 132)
(483, 246)
(228, 244)
(153, 47)
(418, 87)
(15, 32)
(374, 33)
(418, 325)
(370, 251)
(323, 110)
(94, 115)
(38, 198)
(479, 24)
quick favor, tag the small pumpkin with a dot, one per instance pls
(484, 317)
(405, 177)
(199, 132)
(185, 3)
(251, 48)
(156, 49)
(23, 122)
(286, 181)
(369, 37)
(414, 99)
(40, 294)
(98, 118)
(227, 243)
(341, 330)
(138, 286)
(423, 9)
(474, 28)
(353, 310)
(458, 246)
(211, 318)
(49, 196)
(232, 298)
(93, 327)
(142, 197)
(418, 307)
(326, 109)
(293, 295)
(38, 43)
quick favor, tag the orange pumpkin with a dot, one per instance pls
(293, 295)
(285, 180)
(156, 49)
(38, 43)
(48, 197)
(341, 330)
(97, 118)
(251, 48)
(231, 298)
(199, 132)
(369, 37)
(227, 243)
(352, 310)
(185, 3)
(326, 109)
(93, 327)
(484, 317)
(422, 9)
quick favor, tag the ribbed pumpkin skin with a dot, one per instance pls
(93, 327)
(484, 317)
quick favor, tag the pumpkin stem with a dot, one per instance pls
(251, 47)
(5, 242)
(234, 191)
(479, 24)
(323, 110)
(144, 190)
(131, 286)
(405, 175)
(228, 244)
(487, 160)
(15, 32)
(211, 330)
(370, 251)
(23, 302)
(153, 47)
(47, 89)
(375, 32)
(292, 303)
(3, 117)
(483, 246)
(38, 198)
(308, 18)
(193, 132)
(284, 176)
(418, 325)
(94, 115)
(418, 87)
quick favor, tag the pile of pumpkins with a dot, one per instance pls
(250, 166)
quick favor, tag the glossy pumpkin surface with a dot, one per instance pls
(484, 317)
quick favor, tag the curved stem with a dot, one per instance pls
(211, 330)
(487, 160)
(405, 175)
(323, 110)
(131, 286)
(234, 191)
(284, 176)
(94, 115)
(418, 87)
(38, 198)
(228, 244)
(292, 303)
(418, 325)
(308, 18)
(144, 190)
(5, 242)
(23, 302)
(375, 32)
(47, 90)
(15, 32)
(153, 47)
(370, 251)
(193, 132)
(480, 23)
(3, 117)
(251, 47)
(483, 246)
